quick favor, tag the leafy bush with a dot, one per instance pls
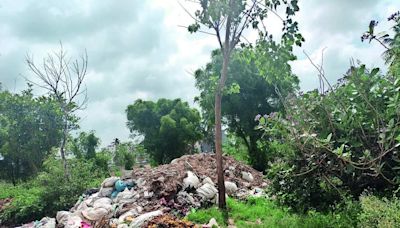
(382, 213)
(337, 143)
(51, 191)
(25, 206)
(235, 148)
(61, 193)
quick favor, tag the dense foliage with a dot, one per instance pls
(170, 127)
(50, 191)
(29, 128)
(254, 75)
(337, 143)
(84, 145)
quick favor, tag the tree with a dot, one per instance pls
(391, 44)
(63, 80)
(233, 17)
(85, 145)
(29, 128)
(255, 73)
(170, 127)
(125, 155)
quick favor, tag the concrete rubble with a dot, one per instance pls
(147, 195)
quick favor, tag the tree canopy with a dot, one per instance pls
(170, 127)
(258, 76)
(29, 128)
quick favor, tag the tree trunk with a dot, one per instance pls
(218, 132)
(62, 150)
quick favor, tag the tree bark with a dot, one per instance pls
(62, 148)
(218, 132)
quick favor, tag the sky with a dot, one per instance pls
(140, 49)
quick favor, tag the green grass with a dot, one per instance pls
(256, 210)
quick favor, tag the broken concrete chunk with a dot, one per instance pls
(207, 191)
(191, 181)
(230, 187)
(109, 182)
(139, 221)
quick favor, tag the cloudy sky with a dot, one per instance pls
(138, 49)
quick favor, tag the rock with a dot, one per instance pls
(230, 187)
(94, 214)
(109, 182)
(139, 221)
(247, 176)
(212, 223)
(122, 226)
(191, 181)
(207, 191)
(174, 161)
(106, 191)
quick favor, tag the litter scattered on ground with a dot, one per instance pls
(150, 196)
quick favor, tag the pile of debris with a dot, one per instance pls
(154, 194)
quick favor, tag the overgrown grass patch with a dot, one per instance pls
(262, 212)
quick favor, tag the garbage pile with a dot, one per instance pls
(156, 194)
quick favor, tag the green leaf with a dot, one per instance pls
(374, 72)
(262, 121)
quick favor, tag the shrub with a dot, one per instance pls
(382, 213)
(50, 191)
(25, 205)
(338, 143)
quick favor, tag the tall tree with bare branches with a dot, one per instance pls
(229, 19)
(63, 79)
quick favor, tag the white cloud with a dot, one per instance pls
(137, 49)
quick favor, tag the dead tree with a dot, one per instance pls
(62, 78)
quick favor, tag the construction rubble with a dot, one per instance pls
(146, 197)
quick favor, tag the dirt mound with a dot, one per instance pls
(153, 194)
(166, 180)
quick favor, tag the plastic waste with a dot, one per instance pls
(230, 187)
(191, 181)
(207, 191)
